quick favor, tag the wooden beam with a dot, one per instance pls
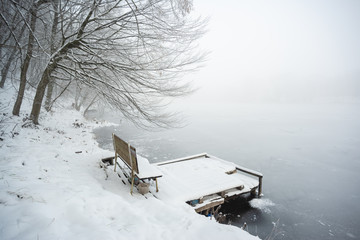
(210, 205)
(184, 159)
(248, 171)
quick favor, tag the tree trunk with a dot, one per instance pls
(88, 107)
(5, 70)
(26, 63)
(40, 92)
(50, 88)
(24, 68)
(49, 93)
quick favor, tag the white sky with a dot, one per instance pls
(280, 50)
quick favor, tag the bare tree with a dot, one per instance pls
(25, 64)
(131, 53)
(50, 88)
(12, 26)
(83, 95)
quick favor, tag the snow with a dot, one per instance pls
(51, 187)
(208, 172)
(146, 169)
(262, 204)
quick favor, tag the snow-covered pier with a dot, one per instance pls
(205, 181)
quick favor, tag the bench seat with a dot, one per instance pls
(147, 170)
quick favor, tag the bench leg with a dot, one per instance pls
(132, 181)
(157, 188)
(115, 162)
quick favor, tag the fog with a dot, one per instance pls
(279, 51)
(264, 54)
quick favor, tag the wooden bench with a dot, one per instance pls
(139, 167)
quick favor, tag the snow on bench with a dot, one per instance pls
(147, 170)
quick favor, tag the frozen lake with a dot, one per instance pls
(309, 155)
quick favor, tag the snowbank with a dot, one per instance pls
(51, 187)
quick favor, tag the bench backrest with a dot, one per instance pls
(126, 152)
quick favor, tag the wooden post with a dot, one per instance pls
(132, 170)
(115, 152)
(157, 188)
(222, 194)
(253, 192)
(260, 186)
(207, 212)
(115, 162)
(132, 181)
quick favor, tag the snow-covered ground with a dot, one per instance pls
(51, 187)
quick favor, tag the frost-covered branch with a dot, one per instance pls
(132, 53)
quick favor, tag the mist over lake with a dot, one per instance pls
(279, 93)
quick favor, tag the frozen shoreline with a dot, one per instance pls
(48, 191)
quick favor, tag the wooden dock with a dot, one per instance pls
(205, 182)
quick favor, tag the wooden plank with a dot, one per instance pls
(184, 159)
(210, 205)
(235, 193)
(128, 156)
(248, 171)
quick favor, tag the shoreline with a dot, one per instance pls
(52, 187)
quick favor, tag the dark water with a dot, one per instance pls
(309, 155)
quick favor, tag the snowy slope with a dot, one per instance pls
(48, 190)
